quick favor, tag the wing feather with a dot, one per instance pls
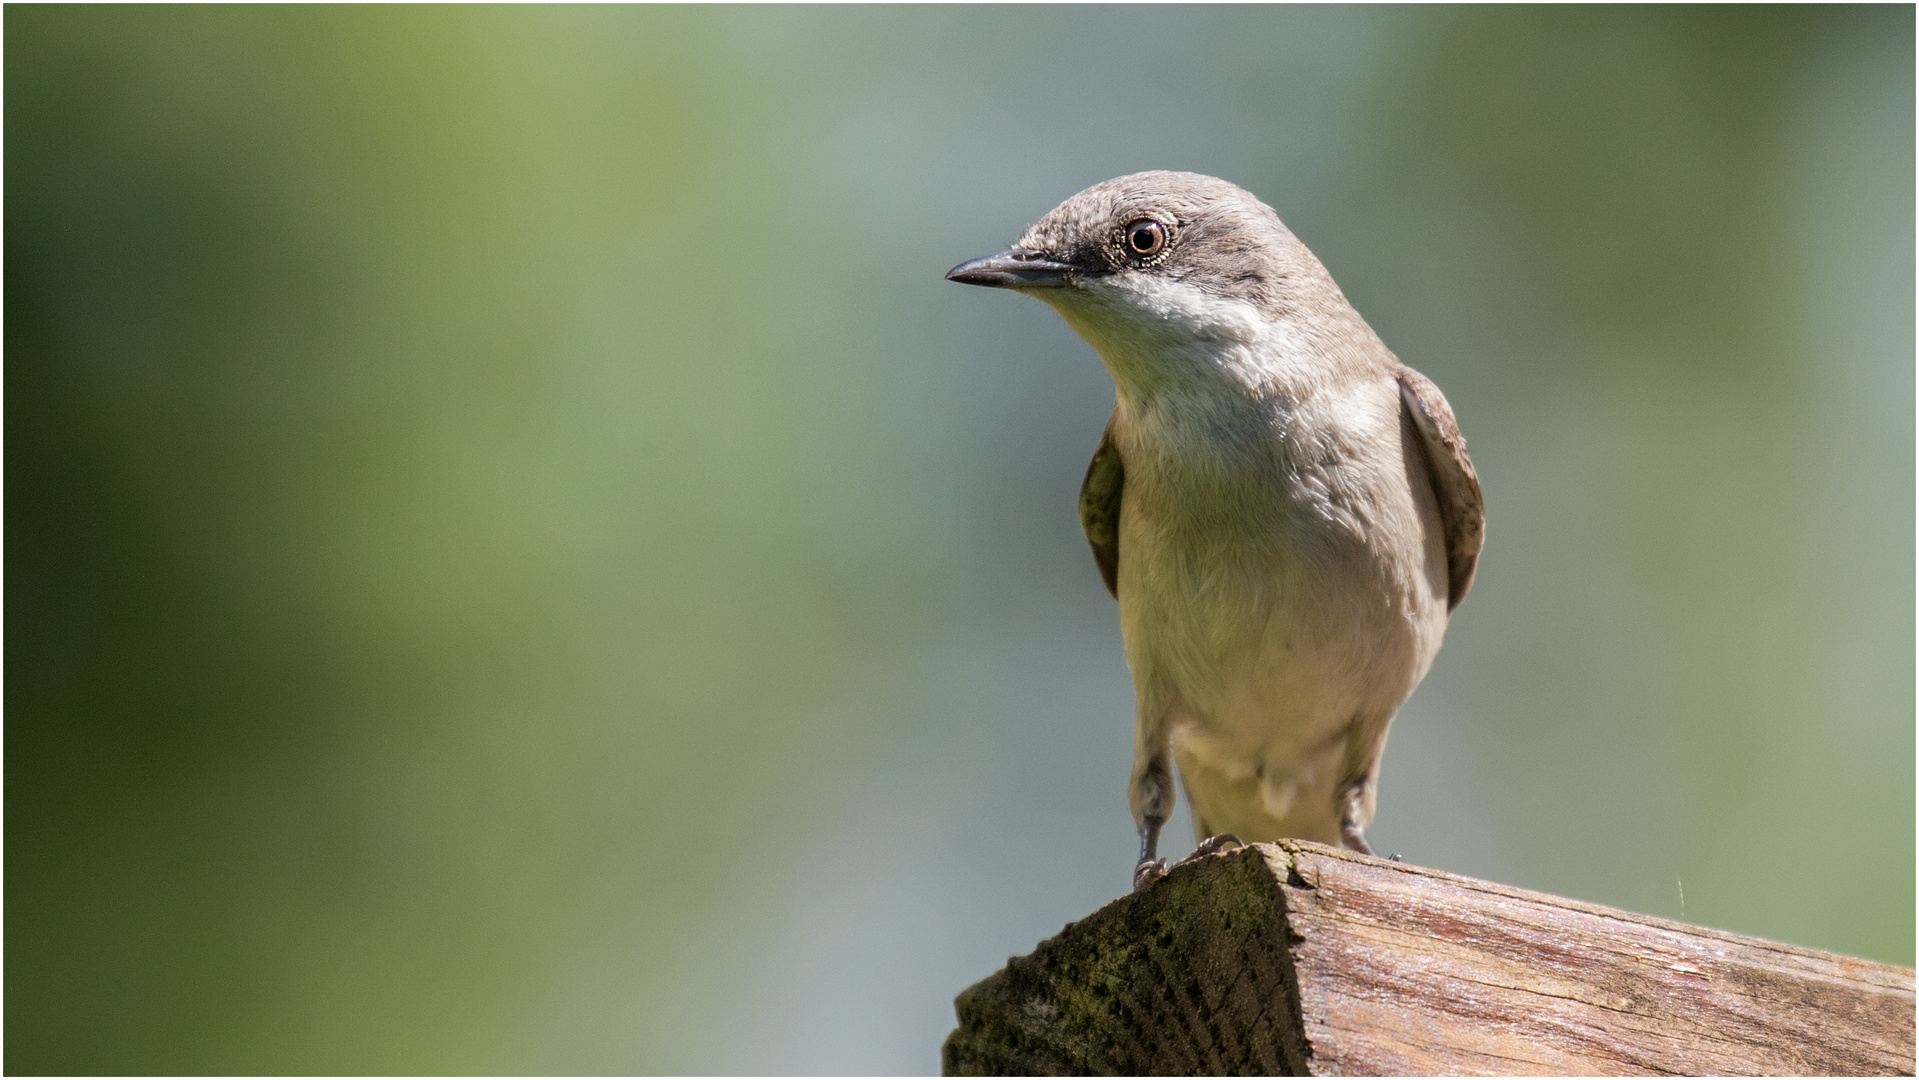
(1462, 510)
(1099, 498)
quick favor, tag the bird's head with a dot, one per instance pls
(1152, 265)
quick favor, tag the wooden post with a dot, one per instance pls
(1300, 959)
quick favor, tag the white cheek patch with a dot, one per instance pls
(1174, 309)
(1153, 331)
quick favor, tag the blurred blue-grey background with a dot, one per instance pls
(516, 561)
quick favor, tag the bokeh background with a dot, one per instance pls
(516, 561)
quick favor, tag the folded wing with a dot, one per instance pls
(1099, 507)
(1462, 511)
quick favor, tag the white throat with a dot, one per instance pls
(1163, 337)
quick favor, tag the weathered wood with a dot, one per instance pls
(1300, 959)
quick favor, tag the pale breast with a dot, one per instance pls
(1281, 567)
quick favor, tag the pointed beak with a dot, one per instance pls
(1015, 269)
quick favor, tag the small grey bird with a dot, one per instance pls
(1284, 511)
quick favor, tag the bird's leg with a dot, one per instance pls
(1152, 799)
(1351, 807)
(1355, 837)
(1149, 868)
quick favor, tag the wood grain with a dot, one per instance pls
(1300, 959)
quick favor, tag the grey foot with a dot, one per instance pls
(1212, 845)
(1147, 872)
(1151, 870)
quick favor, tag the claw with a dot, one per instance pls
(1151, 870)
(1212, 845)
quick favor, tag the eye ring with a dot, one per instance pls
(1143, 238)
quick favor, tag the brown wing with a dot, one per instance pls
(1099, 507)
(1462, 511)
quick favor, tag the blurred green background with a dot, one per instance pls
(516, 561)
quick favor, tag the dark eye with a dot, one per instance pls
(1145, 238)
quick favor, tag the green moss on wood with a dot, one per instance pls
(1078, 1004)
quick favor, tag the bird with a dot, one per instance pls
(1285, 512)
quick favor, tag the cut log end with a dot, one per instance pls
(1299, 959)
